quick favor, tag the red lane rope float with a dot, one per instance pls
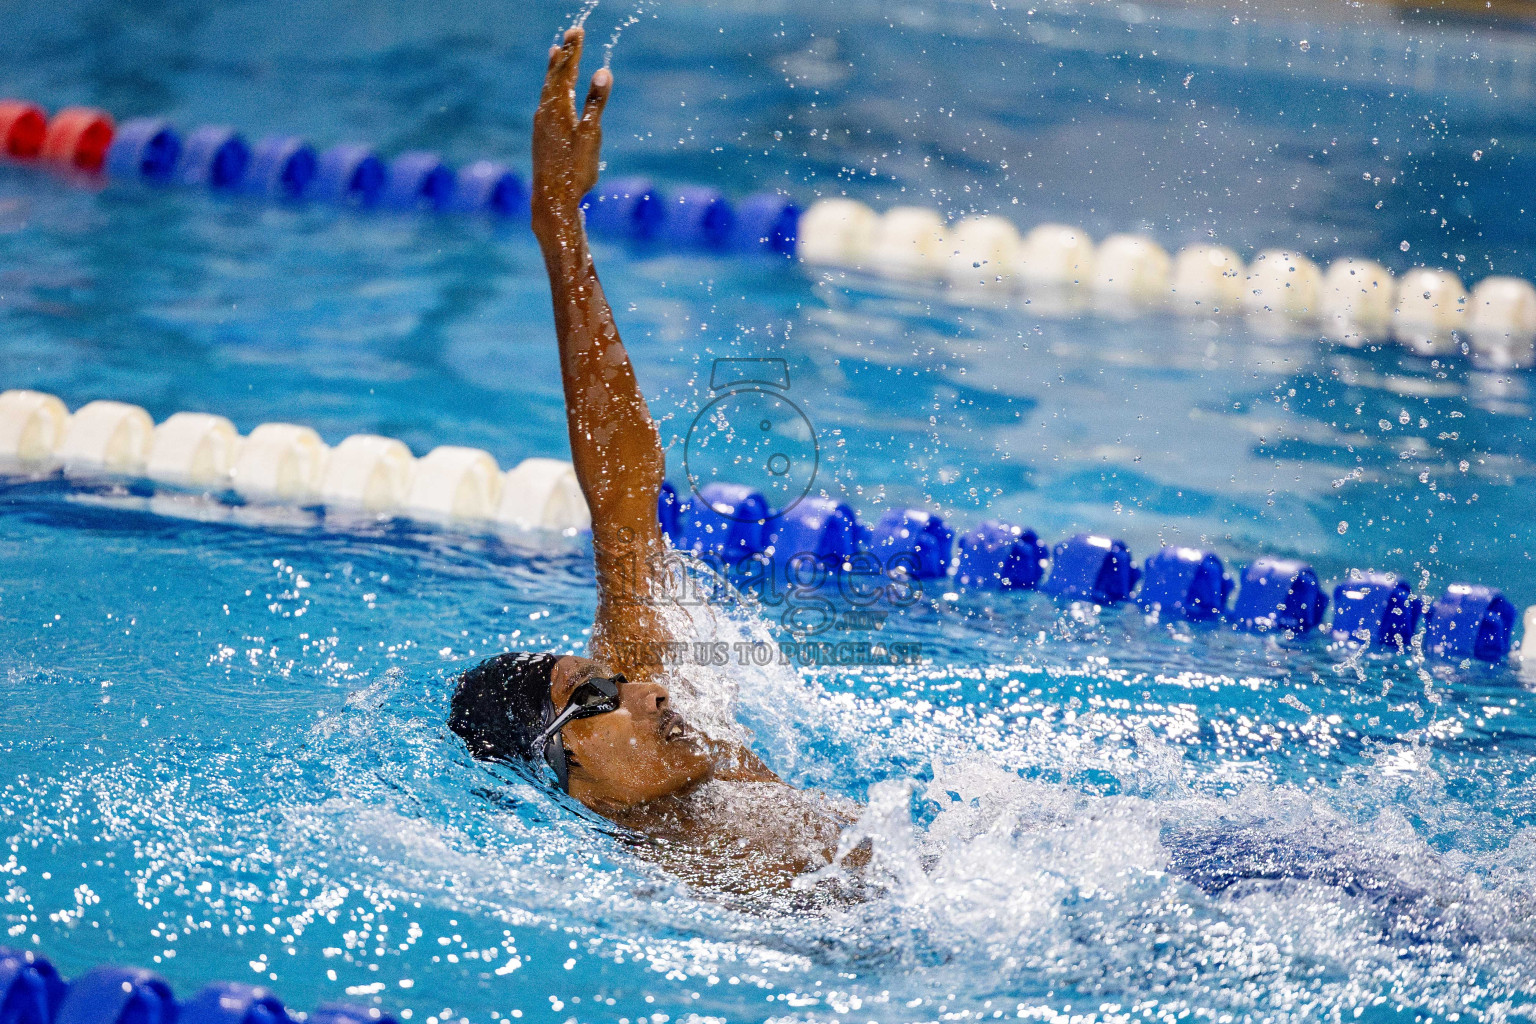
(78, 138)
(22, 127)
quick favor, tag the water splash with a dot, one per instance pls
(642, 8)
(579, 19)
(1116, 817)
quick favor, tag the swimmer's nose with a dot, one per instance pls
(648, 696)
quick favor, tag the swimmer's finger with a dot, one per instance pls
(553, 77)
(564, 60)
(597, 97)
(572, 66)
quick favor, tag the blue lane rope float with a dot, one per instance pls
(233, 1003)
(696, 216)
(281, 167)
(213, 156)
(486, 186)
(30, 989)
(766, 221)
(1000, 556)
(108, 995)
(626, 208)
(145, 149)
(1089, 567)
(33, 992)
(730, 523)
(1375, 610)
(418, 181)
(1470, 622)
(348, 175)
(1279, 595)
(1187, 583)
(915, 541)
(825, 530)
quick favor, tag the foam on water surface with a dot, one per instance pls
(1067, 827)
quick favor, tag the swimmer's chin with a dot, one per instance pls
(698, 769)
(689, 742)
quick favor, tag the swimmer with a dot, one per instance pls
(604, 726)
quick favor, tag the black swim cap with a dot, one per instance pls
(498, 708)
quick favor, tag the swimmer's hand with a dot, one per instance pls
(565, 146)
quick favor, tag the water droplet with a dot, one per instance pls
(1304, 45)
(1404, 245)
(1477, 154)
(1343, 527)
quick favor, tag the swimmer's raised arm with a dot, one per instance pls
(614, 443)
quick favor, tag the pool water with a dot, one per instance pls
(224, 752)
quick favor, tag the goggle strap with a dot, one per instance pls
(560, 722)
(571, 712)
(560, 766)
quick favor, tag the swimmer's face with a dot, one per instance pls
(640, 752)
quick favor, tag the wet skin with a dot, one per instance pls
(639, 753)
(710, 811)
(640, 765)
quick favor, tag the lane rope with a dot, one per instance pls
(731, 525)
(1057, 269)
(33, 992)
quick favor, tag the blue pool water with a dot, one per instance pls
(224, 752)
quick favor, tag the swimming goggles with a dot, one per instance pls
(597, 696)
